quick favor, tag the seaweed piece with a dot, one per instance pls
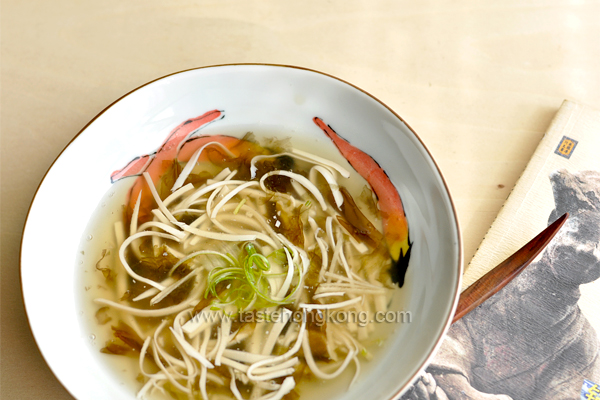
(135, 289)
(108, 273)
(186, 217)
(291, 225)
(168, 179)
(367, 197)
(205, 302)
(126, 341)
(157, 267)
(112, 347)
(247, 148)
(198, 179)
(311, 279)
(277, 183)
(178, 295)
(318, 344)
(356, 223)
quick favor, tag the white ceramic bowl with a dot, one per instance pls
(255, 97)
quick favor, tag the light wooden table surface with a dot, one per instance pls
(479, 81)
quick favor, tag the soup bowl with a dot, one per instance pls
(277, 100)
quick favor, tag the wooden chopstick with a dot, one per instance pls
(506, 271)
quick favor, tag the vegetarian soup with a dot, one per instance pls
(240, 268)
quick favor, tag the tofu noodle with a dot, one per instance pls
(230, 269)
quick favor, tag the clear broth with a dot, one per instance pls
(99, 237)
